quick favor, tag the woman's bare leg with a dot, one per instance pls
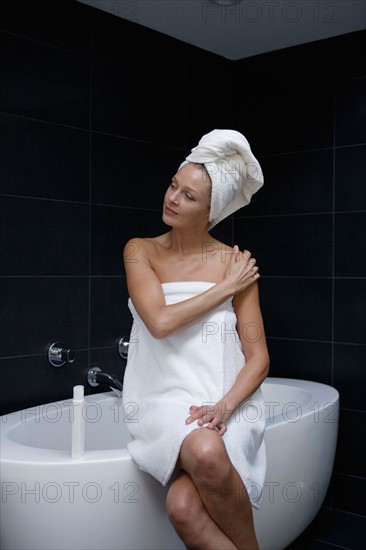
(204, 457)
(190, 518)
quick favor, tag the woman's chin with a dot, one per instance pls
(167, 220)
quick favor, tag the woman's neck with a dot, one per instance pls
(188, 241)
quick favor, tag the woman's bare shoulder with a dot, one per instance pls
(144, 245)
(150, 240)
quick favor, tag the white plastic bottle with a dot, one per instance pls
(78, 429)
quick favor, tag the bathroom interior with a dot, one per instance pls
(97, 112)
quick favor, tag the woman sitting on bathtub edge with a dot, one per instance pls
(196, 367)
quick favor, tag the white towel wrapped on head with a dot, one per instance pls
(234, 171)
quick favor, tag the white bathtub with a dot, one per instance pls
(103, 501)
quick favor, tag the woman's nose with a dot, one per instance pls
(174, 197)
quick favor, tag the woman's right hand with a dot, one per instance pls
(241, 270)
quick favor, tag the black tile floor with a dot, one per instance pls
(331, 530)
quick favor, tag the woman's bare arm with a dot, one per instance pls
(252, 336)
(250, 328)
(147, 295)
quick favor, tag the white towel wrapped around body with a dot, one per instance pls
(193, 366)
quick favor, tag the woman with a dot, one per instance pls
(198, 353)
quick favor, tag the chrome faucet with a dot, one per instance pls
(96, 377)
(58, 354)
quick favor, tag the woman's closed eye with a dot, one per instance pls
(173, 186)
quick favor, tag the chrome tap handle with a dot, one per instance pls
(67, 355)
(58, 355)
(92, 376)
(123, 347)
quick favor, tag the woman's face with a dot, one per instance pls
(187, 199)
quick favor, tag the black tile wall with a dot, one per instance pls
(37, 311)
(309, 233)
(350, 366)
(332, 530)
(352, 47)
(39, 159)
(207, 114)
(43, 237)
(306, 66)
(285, 113)
(43, 82)
(127, 172)
(108, 298)
(348, 492)
(350, 456)
(300, 359)
(128, 51)
(64, 24)
(297, 307)
(349, 235)
(295, 183)
(96, 119)
(350, 178)
(137, 106)
(350, 310)
(350, 112)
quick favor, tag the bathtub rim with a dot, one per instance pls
(14, 452)
(320, 393)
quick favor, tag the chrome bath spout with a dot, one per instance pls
(96, 377)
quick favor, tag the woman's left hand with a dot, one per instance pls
(210, 414)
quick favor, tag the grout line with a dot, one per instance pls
(90, 189)
(306, 277)
(311, 150)
(312, 340)
(289, 339)
(333, 234)
(337, 278)
(85, 203)
(47, 44)
(349, 513)
(94, 131)
(353, 476)
(140, 141)
(77, 350)
(298, 214)
(43, 121)
(332, 544)
(4, 277)
(43, 199)
(107, 276)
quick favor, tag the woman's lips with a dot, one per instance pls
(170, 212)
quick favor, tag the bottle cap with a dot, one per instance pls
(79, 392)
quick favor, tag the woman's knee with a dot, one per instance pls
(204, 455)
